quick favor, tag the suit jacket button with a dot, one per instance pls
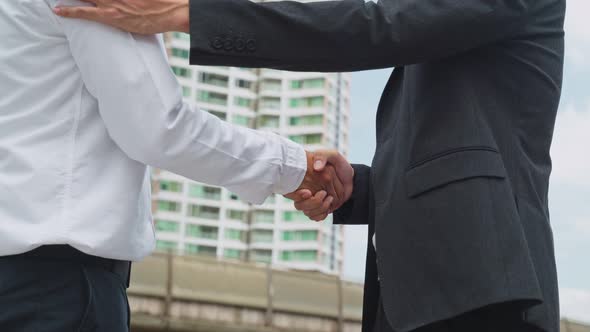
(228, 44)
(240, 44)
(251, 45)
(217, 43)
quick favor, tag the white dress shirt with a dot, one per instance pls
(83, 109)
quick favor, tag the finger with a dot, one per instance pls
(340, 189)
(330, 186)
(312, 203)
(320, 217)
(303, 195)
(86, 13)
(324, 208)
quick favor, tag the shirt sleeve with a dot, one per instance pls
(140, 102)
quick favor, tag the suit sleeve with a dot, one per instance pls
(346, 35)
(356, 210)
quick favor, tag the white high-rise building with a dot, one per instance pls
(310, 108)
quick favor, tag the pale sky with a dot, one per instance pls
(570, 182)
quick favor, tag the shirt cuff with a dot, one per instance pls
(294, 168)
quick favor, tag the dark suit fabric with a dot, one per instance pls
(457, 191)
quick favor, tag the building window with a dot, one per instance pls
(236, 215)
(201, 232)
(268, 121)
(307, 139)
(204, 212)
(271, 85)
(243, 102)
(168, 206)
(166, 245)
(186, 91)
(182, 72)
(206, 192)
(235, 234)
(233, 254)
(172, 186)
(212, 98)
(167, 226)
(214, 79)
(294, 216)
(195, 249)
(307, 102)
(300, 255)
(262, 256)
(308, 120)
(264, 236)
(182, 36)
(180, 53)
(241, 120)
(300, 236)
(273, 103)
(244, 84)
(220, 115)
(264, 216)
(313, 83)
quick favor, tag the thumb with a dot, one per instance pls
(319, 161)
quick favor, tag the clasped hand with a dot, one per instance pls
(327, 185)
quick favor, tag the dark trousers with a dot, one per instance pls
(45, 295)
(495, 318)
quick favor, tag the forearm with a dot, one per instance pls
(346, 35)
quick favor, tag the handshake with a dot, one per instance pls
(327, 185)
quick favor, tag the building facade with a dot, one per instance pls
(193, 218)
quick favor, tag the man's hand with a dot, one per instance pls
(137, 16)
(327, 172)
(317, 207)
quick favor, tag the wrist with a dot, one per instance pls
(180, 20)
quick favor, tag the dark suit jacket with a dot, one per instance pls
(457, 192)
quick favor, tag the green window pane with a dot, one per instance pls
(182, 36)
(201, 232)
(294, 216)
(307, 139)
(205, 212)
(307, 102)
(214, 79)
(220, 115)
(166, 245)
(236, 215)
(269, 121)
(172, 186)
(182, 72)
(234, 234)
(264, 236)
(195, 249)
(299, 255)
(232, 253)
(271, 85)
(186, 91)
(244, 84)
(243, 102)
(262, 256)
(167, 226)
(264, 216)
(180, 53)
(270, 103)
(168, 206)
(300, 236)
(212, 98)
(206, 192)
(241, 120)
(309, 120)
